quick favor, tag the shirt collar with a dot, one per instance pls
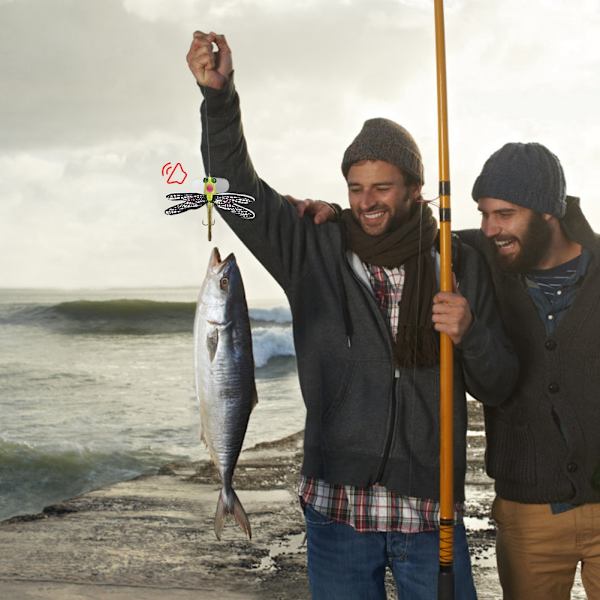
(582, 266)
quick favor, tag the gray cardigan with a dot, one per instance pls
(558, 387)
(355, 432)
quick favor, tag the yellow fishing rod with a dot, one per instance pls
(446, 574)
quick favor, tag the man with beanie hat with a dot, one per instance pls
(365, 307)
(543, 445)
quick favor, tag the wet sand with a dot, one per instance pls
(152, 537)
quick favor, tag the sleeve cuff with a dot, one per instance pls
(475, 341)
(217, 99)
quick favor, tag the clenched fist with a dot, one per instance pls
(211, 68)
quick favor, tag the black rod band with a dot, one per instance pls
(444, 215)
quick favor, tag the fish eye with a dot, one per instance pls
(214, 179)
(224, 283)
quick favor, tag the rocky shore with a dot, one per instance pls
(152, 537)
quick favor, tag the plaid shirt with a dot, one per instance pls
(375, 508)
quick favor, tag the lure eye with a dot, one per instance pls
(205, 180)
(224, 283)
(213, 179)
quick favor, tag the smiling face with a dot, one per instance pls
(520, 237)
(379, 198)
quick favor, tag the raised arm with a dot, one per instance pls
(277, 236)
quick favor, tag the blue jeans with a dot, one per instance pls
(346, 565)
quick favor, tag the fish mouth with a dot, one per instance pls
(215, 257)
(215, 261)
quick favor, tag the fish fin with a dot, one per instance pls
(236, 509)
(220, 517)
(240, 516)
(212, 341)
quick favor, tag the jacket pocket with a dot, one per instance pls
(417, 417)
(510, 453)
(356, 419)
(345, 385)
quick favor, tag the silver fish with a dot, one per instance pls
(224, 376)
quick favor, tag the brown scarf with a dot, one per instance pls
(409, 245)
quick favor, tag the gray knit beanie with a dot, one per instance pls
(382, 139)
(525, 174)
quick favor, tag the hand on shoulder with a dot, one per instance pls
(320, 211)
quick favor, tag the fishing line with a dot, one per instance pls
(206, 120)
(206, 129)
(433, 201)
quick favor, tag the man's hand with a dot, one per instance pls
(320, 211)
(210, 68)
(451, 314)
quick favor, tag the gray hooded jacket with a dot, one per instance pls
(358, 432)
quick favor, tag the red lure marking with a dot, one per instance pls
(209, 188)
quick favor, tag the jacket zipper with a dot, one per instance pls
(392, 408)
(390, 434)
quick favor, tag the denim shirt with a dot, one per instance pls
(552, 310)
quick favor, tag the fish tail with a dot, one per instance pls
(229, 504)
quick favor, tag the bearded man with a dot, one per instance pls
(543, 445)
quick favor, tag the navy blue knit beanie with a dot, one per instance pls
(525, 174)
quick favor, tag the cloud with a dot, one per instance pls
(100, 98)
(98, 71)
(82, 72)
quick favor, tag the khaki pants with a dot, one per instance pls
(538, 552)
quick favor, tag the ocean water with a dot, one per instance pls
(98, 386)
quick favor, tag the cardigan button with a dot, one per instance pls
(550, 344)
(553, 388)
(572, 467)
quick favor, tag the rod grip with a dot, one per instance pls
(446, 584)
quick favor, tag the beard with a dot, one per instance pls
(534, 244)
(405, 209)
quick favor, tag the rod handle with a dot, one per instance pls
(446, 585)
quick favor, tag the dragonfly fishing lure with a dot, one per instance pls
(234, 203)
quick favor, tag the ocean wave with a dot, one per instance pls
(280, 315)
(125, 316)
(268, 343)
(32, 477)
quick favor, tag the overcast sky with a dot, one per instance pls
(97, 96)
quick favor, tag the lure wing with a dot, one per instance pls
(232, 203)
(191, 201)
